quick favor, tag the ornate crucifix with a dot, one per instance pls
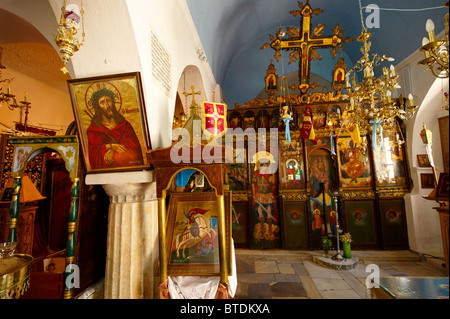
(304, 44)
(193, 93)
(194, 106)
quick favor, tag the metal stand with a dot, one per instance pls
(338, 256)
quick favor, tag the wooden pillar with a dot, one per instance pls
(14, 209)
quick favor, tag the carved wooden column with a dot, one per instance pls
(14, 209)
(71, 242)
(132, 243)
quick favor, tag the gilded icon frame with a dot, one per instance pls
(99, 139)
(423, 160)
(200, 263)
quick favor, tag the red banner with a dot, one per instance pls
(214, 121)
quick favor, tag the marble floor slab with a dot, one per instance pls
(266, 267)
(286, 268)
(324, 284)
(286, 274)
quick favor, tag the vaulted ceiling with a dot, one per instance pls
(27, 51)
(233, 31)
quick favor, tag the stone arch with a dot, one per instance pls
(191, 76)
(423, 224)
(429, 112)
(32, 63)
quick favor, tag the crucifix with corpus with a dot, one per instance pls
(303, 44)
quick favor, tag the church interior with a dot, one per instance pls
(239, 149)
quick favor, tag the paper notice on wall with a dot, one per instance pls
(161, 66)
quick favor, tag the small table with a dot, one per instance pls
(410, 288)
(14, 275)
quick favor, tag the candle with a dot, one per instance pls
(425, 41)
(410, 97)
(392, 71)
(389, 93)
(8, 91)
(429, 26)
(25, 97)
(366, 71)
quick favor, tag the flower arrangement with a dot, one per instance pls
(346, 238)
(326, 242)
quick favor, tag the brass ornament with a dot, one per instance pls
(66, 39)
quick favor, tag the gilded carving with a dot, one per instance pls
(357, 194)
(294, 196)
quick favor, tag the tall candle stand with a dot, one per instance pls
(338, 255)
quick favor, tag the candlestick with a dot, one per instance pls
(425, 41)
(410, 97)
(338, 256)
(392, 70)
(388, 93)
(429, 26)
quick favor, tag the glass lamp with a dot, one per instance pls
(426, 135)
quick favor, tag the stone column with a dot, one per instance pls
(132, 243)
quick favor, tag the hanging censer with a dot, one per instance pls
(66, 39)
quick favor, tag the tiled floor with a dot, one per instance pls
(272, 274)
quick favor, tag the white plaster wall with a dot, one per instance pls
(172, 24)
(115, 43)
(43, 97)
(423, 221)
(110, 46)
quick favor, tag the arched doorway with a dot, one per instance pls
(32, 69)
(82, 216)
(25, 149)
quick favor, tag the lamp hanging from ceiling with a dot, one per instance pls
(371, 102)
(66, 39)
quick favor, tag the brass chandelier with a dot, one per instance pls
(10, 99)
(371, 103)
(436, 51)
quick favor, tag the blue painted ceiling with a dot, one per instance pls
(233, 31)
